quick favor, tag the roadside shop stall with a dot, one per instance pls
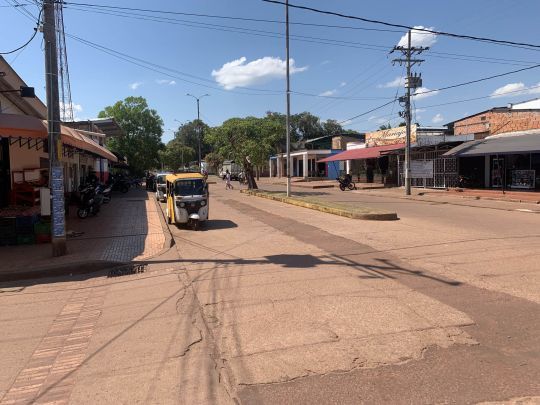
(24, 175)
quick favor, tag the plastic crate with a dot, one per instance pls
(43, 238)
(26, 239)
(42, 228)
(24, 221)
(8, 241)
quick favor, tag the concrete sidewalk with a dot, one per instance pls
(128, 228)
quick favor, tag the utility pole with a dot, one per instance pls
(56, 171)
(411, 82)
(198, 126)
(288, 118)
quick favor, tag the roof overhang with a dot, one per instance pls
(24, 126)
(362, 153)
(504, 144)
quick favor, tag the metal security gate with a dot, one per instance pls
(445, 170)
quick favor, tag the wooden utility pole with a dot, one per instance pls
(56, 171)
(411, 82)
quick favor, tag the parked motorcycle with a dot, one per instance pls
(89, 202)
(345, 182)
(119, 184)
(105, 192)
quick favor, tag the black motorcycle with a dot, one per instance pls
(89, 202)
(345, 182)
(119, 184)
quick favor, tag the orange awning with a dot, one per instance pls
(25, 126)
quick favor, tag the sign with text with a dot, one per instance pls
(57, 199)
(422, 169)
(389, 136)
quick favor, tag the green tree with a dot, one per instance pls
(176, 155)
(188, 135)
(307, 126)
(385, 126)
(214, 161)
(332, 127)
(143, 130)
(248, 141)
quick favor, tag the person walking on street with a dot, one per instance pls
(228, 184)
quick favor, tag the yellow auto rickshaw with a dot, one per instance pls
(187, 199)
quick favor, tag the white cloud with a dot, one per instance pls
(381, 120)
(438, 118)
(325, 62)
(419, 38)
(328, 93)
(397, 82)
(238, 73)
(135, 85)
(515, 89)
(342, 84)
(166, 81)
(423, 92)
(420, 110)
(66, 110)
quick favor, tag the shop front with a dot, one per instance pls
(505, 161)
(24, 175)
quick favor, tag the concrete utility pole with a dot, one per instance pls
(411, 82)
(198, 125)
(56, 171)
(288, 118)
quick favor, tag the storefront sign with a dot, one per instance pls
(389, 136)
(523, 178)
(57, 197)
(422, 169)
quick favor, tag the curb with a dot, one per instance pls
(432, 198)
(64, 269)
(169, 239)
(371, 216)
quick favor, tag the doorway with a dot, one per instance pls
(5, 177)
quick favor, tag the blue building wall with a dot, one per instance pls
(333, 168)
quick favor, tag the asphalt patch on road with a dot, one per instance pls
(505, 364)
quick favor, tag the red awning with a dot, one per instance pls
(362, 153)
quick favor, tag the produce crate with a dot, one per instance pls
(42, 228)
(26, 239)
(25, 225)
(8, 228)
(8, 241)
(43, 238)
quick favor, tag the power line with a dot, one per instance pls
(161, 69)
(407, 27)
(367, 112)
(27, 42)
(302, 38)
(477, 80)
(227, 17)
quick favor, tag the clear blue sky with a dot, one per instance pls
(98, 79)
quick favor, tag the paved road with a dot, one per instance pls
(275, 304)
(305, 307)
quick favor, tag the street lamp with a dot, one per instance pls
(198, 124)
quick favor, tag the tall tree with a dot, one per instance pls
(143, 130)
(176, 155)
(188, 134)
(249, 141)
(332, 127)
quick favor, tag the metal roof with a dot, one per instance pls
(504, 144)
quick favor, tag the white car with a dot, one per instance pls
(161, 183)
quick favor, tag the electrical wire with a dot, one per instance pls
(408, 27)
(302, 38)
(27, 42)
(477, 80)
(228, 17)
(367, 112)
